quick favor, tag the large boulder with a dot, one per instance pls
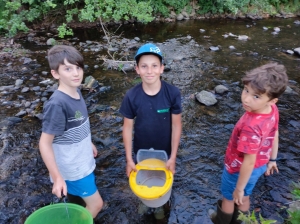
(206, 98)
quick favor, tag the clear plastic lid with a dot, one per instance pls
(152, 158)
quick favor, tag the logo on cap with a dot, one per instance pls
(155, 50)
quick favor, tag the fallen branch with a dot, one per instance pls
(112, 63)
(115, 64)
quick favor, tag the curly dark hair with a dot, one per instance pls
(270, 78)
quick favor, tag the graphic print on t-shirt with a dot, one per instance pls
(77, 117)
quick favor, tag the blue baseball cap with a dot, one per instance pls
(149, 49)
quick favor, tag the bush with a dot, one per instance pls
(16, 15)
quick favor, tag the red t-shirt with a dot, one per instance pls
(252, 134)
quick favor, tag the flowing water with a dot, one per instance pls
(24, 183)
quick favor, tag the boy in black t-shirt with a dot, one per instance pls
(156, 107)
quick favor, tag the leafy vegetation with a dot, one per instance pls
(294, 208)
(251, 219)
(17, 15)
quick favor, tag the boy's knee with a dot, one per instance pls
(100, 205)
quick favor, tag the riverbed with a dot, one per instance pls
(192, 67)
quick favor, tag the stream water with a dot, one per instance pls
(24, 182)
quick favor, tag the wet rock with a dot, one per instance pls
(290, 91)
(229, 126)
(202, 30)
(297, 22)
(51, 41)
(104, 89)
(46, 82)
(290, 52)
(7, 103)
(19, 82)
(90, 82)
(52, 88)
(45, 94)
(9, 121)
(27, 61)
(43, 99)
(294, 206)
(206, 98)
(212, 48)
(21, 113)
(44, 73)
(243, 37)
(297, 51)
(128, 67)
(221, 89)
(27, 104)
(295, 124)
(25, 90)
(277, 197)
(180, 17)
(36, 88)
(3, 88)
(231, 47)
(276, 29)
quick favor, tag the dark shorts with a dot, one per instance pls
(229, 182)
(84, 187)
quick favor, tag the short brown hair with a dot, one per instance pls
(270, 78)
(58, 53)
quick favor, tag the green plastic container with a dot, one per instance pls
(57, 213)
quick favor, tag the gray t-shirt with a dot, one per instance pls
(67, 119)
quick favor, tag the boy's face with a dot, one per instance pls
(149, 68)
(69, 75)
(255, 102)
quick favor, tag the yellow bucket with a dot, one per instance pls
(152, 182)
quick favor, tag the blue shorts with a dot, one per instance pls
(229, 182)
(84, 187)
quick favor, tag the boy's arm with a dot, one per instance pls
(95, 151)
(176, 133)
(127, 139)
(45, 145)
(272, 165)
(244, 175)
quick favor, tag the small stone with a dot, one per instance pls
(212, 48)
(19, 82)
(24, 90)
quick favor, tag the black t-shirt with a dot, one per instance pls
(153, 116)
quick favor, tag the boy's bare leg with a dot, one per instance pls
(227, 206)
(246, 204)
(94, 203)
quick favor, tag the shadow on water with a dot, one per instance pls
(25, 186)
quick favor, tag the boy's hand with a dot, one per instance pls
(171, 164)
(59, 187)
(272, 166)
(238, 196)
(130, 166)
(95, 151)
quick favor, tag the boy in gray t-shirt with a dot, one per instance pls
(65, 143)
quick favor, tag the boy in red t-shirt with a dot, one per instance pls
(253, 145)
